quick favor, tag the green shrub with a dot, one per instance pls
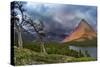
(25, 56)
(53, 48)
(22, 56)
(82, 59)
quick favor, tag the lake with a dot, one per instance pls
(92, 50)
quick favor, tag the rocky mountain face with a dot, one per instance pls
(81, 33)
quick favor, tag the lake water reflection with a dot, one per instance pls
(92, 51)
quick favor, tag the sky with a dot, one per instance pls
(61, 19)
(64, 14)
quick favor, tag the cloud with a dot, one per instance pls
(63, 16)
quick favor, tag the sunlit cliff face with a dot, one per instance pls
(82, 32)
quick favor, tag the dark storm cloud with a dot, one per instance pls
(62, 18)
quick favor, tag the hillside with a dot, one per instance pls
(31, 54)
(81, 33)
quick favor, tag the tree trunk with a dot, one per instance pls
(43, 50)
(20, 42)
(42, 43)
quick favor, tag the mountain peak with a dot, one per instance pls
(83, 22)
(84, 25)
(81, 32)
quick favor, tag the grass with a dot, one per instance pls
(22, 56)
(25, 56)
(82, 59)
(57, 53)
(53, 48)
